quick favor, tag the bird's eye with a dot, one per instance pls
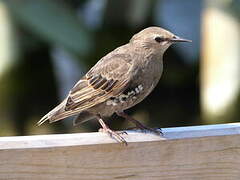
(159, 39)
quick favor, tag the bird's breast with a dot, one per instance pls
(144, 80)
(149, 76)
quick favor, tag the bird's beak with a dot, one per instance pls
(178, 39)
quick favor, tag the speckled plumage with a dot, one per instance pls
(121, 79)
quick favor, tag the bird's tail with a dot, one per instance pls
(42, 120)
(57, 114)
(50, 114)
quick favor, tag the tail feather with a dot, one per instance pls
(42, 120)
(58, 113)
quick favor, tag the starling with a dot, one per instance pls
(119, 80)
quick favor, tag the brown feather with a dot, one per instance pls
(109, 77)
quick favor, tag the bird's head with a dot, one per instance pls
(155, 39)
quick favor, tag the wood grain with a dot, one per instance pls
(198, 152)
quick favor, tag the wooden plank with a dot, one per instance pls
(198, 152)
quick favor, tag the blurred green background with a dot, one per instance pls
(46, 46)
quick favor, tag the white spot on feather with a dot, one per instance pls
(109, 102)
(140, 87)
(123, 97)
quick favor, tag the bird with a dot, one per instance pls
(118, 81)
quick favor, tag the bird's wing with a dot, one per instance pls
(109, 77)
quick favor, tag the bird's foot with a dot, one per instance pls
(122, 132)
(157, 131)
(139, 125)
(117, 132)
(115, 135)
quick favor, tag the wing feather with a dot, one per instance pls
(101, 84)
(109, 77)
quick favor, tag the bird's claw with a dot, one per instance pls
(139, 125)
(156, 131)
(115, 135)
(122, 132)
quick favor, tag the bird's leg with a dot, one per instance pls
(115, 135)
(139, 124)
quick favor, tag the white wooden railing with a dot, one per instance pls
(183, 153)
